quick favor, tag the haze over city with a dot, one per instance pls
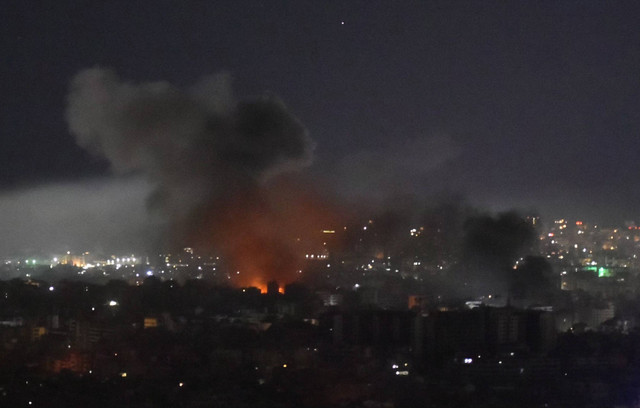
(320, 204)
(510, 106)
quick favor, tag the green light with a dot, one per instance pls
(602, 271)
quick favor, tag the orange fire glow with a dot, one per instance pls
(262, 287)
(264, 233)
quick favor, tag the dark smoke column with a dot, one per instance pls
(207, 155)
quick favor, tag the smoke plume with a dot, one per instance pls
(207, 155)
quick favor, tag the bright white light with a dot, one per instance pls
(149, 273)
(51, 288)
(113, 303)
(468, 360)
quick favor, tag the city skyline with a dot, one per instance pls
(300, 203)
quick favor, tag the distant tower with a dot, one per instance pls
(272, 288)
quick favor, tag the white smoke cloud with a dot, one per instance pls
(101, 213)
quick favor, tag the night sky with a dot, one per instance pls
(533, 105)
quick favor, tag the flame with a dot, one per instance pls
(260, 285)
(263, 288)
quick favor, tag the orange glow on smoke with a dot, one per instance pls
(264, 233)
